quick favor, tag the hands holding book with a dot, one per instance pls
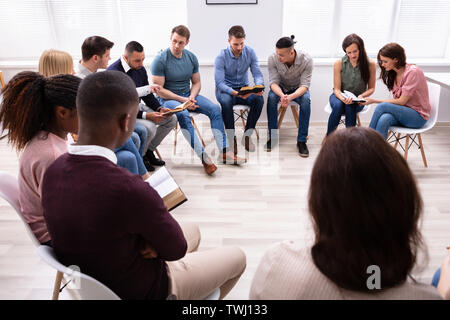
(245, 92)
(350, 98)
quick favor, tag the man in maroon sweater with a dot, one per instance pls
(114, 225)
(98, 214)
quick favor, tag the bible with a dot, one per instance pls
(179, 108)
(167, 188)
(348, 94)
(255, 89)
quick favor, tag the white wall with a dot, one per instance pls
(209, 25)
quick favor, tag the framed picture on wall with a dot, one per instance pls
(231, 1)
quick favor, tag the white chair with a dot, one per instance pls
(9, 190)
(241, 112)
(192, 115)
(86, 287)
(434, 92)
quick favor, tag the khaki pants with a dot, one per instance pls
(198, 274)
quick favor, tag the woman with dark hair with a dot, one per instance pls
(365, 209)
(354, 73)
(410, 107)
(38, 112)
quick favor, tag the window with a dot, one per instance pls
(36, 25)
(421, 27)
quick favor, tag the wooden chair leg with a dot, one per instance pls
(323, 140)
(243, 119)
(198, 132)
(406, 146)
(396, 141)
(158, 154)
(358, 121)
(295, 114)
(256, 130)
(175, 138)
(422, 151)
(2, 81)
(57, 285)
(282, 112)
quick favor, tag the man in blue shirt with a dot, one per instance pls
(231, 73)
(151, 114)
(174, 70)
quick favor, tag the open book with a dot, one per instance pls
(255, 89)
(181, 107)
(167, 188)
(348, 94)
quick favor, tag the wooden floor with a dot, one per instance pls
(251, 206)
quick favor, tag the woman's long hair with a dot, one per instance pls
(365, 208)
(29, 100)
(363, 60)
(393, 51)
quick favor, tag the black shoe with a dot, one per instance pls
(148, 165)
(268, 145)
(150, 157)
(302, 149)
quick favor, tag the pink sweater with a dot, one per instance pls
(37, 156)
(414, 85)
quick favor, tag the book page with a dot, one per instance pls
(162, 182)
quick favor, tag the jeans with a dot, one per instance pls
(139, 137)
(206, 107)
(128, 157)
(338, 108)
(436, 277)
(304, 113)
(155, 132)
(389, 114)
(227, 101)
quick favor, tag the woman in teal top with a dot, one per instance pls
(354, 73)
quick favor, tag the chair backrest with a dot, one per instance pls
(9, 190)
(434, 92)
(84, 287)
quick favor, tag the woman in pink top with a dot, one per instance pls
(410, 107)
(38, 112)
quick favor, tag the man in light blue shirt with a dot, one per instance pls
(231, 73)
(174, 70)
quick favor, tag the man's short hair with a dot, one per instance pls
(237, 32)
(104, 95)
(95, 45)
(182, 31)
(133, 46)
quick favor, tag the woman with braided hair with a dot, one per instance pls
(38, 113)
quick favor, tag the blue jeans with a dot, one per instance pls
(139, 137)
(206, 107)
(227, 101)
(128, 157)
(304, 113)
(389, 114)
(338, 108)
(436, 278)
